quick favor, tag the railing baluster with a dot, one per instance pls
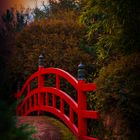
(47, 99)
(37, 98)
(62, 106)
(30, 102)
(71, 115)
(34, 99)
(41, 98)
(54, 101)
(38, 103)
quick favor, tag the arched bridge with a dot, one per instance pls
(53, 99)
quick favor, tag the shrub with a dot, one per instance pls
(117, 97)
(58, 40)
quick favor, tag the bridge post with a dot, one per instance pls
(40, 80)
(82, 123)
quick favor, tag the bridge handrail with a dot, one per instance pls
(59, 93)
(62, 74)
(79, 107)
(45, 71)
(55, 91)
(27, 82)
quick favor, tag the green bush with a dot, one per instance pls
(8, 125)
(118, 97)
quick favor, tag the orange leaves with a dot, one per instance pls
(57, 38)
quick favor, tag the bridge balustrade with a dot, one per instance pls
(54, 100)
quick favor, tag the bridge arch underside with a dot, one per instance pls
(39, 100)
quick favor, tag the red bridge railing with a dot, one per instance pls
(38, 99)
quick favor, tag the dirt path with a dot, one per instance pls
(46, 129)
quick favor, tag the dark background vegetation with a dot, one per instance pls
(104, 35)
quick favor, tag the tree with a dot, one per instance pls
(118, 97)
(8, 123)
(113, 31)
(64, 5)
(59, 41)
(113, 26)
(8, 19)
(9, 128)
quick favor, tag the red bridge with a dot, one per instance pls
(39, 98)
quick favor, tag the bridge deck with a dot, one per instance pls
(47, 128)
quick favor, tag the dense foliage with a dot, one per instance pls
(57, 5)
(118, 96)
(112, 26)
(113, 31)
(58, 40)
(8, 122)
(8, 125)
(13, 20)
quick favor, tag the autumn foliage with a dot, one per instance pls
(57, 39)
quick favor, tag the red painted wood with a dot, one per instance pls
(57, 82)
(39, 100)
(71, 115)
(30, 102)
(35, 99)
(88, 87)
(82, 123)
(47, 99)
(54, 101)
(90, 114)
(62, 106)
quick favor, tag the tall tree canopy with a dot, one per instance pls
(57, 38)
(113, 31)
(113, 26)
(64, 4)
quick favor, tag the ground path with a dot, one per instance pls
(47, 128)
